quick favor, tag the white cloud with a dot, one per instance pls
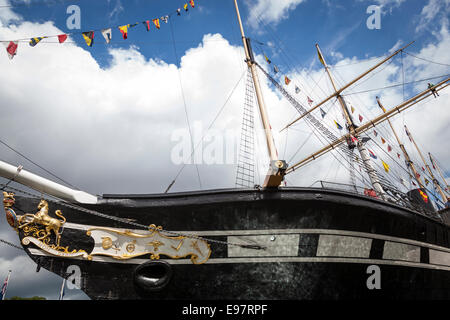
(7, 15)
(109, 130)
(270, 11)
(434, 11)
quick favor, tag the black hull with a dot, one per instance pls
(334, 238)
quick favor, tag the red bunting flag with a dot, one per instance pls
(287, 80)
(389, 148)
(360, 118)
(191, 2)
(398, 155)
(147, 25)
(310, 101)
(62, 38)
(11, 48)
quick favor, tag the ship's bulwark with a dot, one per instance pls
(318, 245)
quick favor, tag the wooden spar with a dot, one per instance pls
(402, 147)
(275, 174)
(262, 107)
(371, 172)
(438, 170)
(348, 85)
(398, 109)
(44, 185)
(436, 184)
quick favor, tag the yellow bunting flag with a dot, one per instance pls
(156, 22)
(385, 166)
(89, 38)
(424, 196)
(124, 31)
(186, 7)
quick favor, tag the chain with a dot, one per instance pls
(11, 244)
(125, 221)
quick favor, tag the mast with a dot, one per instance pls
(352, 130)
(277, 168)
(438, 169)
(435, 182)
(409, 162)
(348, 84)
(373, 123)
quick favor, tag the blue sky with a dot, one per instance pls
(77, 107)
(336, 25)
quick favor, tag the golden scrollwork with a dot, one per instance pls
(154, 242)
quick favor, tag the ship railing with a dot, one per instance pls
(395, 196)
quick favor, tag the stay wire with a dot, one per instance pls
(146, 227)
(202, 138)
(37, 165)
(184, 101)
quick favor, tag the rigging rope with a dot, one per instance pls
(396, 85)
(37, 165)
(184, 103)
(439, 63)
(203, 137)
(135, 224)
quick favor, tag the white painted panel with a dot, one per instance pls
(285, 245)
(401, 251)
(439, 257)
(343, 246)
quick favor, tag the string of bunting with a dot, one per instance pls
(385, 165)
(287, 80)
(88, 36)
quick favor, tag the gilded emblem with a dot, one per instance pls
(107, 243)
(131, 246)
(37, 228)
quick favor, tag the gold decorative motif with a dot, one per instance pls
(156, 244)
(11, 217)
(194, 245)
(107, 243)
(38, 227)
(42, 218)
(118, 244)
(131, 246)
(153, 242)
(179, 245)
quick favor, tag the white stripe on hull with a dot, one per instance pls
(100, 259)
(276, 232)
